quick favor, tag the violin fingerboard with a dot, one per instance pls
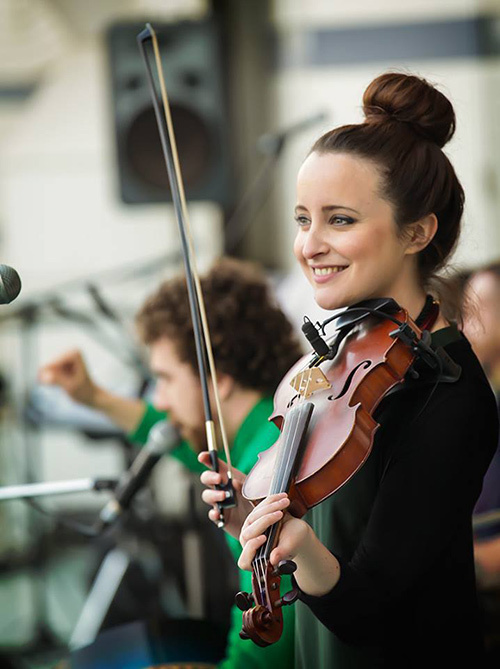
(290, 449)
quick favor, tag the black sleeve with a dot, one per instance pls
(425, 498)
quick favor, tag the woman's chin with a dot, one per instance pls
(328, 301)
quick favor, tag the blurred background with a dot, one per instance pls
(86, 220)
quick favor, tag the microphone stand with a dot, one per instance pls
(30, 490)
(135, 354)
(271, 145)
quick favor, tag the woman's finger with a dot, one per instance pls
(248, 553)
(278, 554)
(256, 528)
(212, 497)
(210, 478)
(204, 458)
(214, 515)
(268, 505)
(238, 477)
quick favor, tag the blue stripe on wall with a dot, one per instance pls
(475, 37)
(16, 92)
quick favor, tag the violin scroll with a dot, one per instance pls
(262, 616)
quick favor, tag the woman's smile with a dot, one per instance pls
(323, 274)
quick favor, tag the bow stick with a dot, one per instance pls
(196, 303)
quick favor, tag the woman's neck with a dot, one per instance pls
(411, 295)
(411, 300)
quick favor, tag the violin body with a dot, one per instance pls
(341, 430)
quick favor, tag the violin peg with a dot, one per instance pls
(243, 601)
(286, 567)
(288, 598)
(291, 596)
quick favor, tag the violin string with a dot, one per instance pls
(275, 486)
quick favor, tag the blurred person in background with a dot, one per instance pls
(253, 346)
(482, 327)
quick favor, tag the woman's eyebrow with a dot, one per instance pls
(333, 207)
(328, 207)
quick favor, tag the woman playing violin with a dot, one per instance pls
(385, 566)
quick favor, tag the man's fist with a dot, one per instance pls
(71, 374)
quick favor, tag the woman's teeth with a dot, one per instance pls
(327, 270)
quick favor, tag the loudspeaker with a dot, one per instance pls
(194, 75)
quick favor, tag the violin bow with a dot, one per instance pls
(203, 343)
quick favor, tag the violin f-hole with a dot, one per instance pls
(364, 364)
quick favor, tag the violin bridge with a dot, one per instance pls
(310, 380)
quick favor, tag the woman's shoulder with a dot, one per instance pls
(459, 373)
(436, 398)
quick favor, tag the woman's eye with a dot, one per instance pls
(337, 220)
(341, 220)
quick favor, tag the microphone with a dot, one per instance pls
(314, 338)
(10, 284)
(163, 437)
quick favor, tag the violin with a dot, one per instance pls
(324, 409)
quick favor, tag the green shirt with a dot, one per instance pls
(255, 434)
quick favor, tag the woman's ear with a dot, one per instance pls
(421, 233)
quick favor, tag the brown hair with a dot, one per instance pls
(407, 122)
(252, 340)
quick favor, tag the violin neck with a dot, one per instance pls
(288, 459)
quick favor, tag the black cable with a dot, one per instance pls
(433, 389)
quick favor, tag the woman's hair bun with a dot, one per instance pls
(411, 100)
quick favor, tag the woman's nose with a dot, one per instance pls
(315, 242)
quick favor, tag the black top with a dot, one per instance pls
(401, 530)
